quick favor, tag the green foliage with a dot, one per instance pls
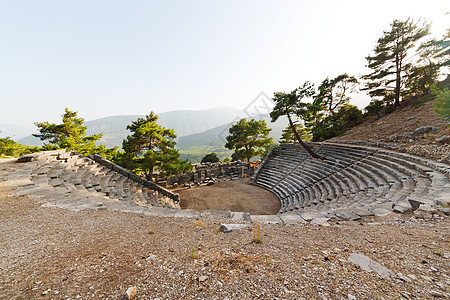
(211, 157)
(151, 146)
(337, 123)
(287, 136)
(266, 149)
(332, 93)
(390, 60)
(247, 138)
(350, 115)
(374, 108)
(71, 135)
(291, 105)
(9, 147)
(442, 104)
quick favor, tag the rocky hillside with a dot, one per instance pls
(412, 129)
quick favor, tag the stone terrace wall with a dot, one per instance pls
(212, 171)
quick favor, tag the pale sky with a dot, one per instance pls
(104, 58)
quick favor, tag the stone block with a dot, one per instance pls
(267, 219)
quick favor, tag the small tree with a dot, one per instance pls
(71, 135)
(442, 104)
(374, 107)
(248, 138)
(9, 147)
(151, 146)
(390, 60)
(287, 136)
(211, 157)
(350, 115)
(291, 105)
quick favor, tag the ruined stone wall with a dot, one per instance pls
(207, 172)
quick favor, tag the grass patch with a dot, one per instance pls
(193, 253)
(256, 229)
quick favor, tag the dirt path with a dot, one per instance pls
(236, 195)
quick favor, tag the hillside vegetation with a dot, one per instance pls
(413, 128)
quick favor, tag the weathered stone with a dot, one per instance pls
(240, 216)
(291, 218)
(320, 221)
(415, 203)
(444, 210)
(187, 213)
(362, 212)
(369, 265)
(381, 212)
(443, 140)
(307, 216)
(230, 227)
(424, 129)
(267, 219)
(131, 292)
(216, 212)
(347, 215)
(399, 208)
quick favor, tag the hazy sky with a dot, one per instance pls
(105, 58)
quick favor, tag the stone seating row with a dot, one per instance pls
(362, 179)
(70, 175)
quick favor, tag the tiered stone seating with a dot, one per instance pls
(351, 181)
(77, 182)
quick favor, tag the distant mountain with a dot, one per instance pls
(184, 122)
(15, 132)
(195, 146)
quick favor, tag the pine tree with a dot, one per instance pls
(389, 62)
(291, 105)
(151, 146)
(71, 135)
(248, 138)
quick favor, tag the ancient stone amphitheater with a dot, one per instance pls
(351, 182)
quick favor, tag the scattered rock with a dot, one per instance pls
(230, 227)
(403, 278)
(381, 212)
(443, 140)
(437, 294)
(351, 297)
(45, 292)
(444, 210)
(423, 214)
(424, 129)
(202, 278)
(347, 215)
(320, 221)
(415, 204)
(399, 208)
(369, 265)
(151, 256)
(131, 292)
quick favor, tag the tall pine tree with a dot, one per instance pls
(390, 59)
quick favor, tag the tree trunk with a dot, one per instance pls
(297, 137)
(398, 67)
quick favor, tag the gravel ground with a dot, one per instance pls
(54, 253)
